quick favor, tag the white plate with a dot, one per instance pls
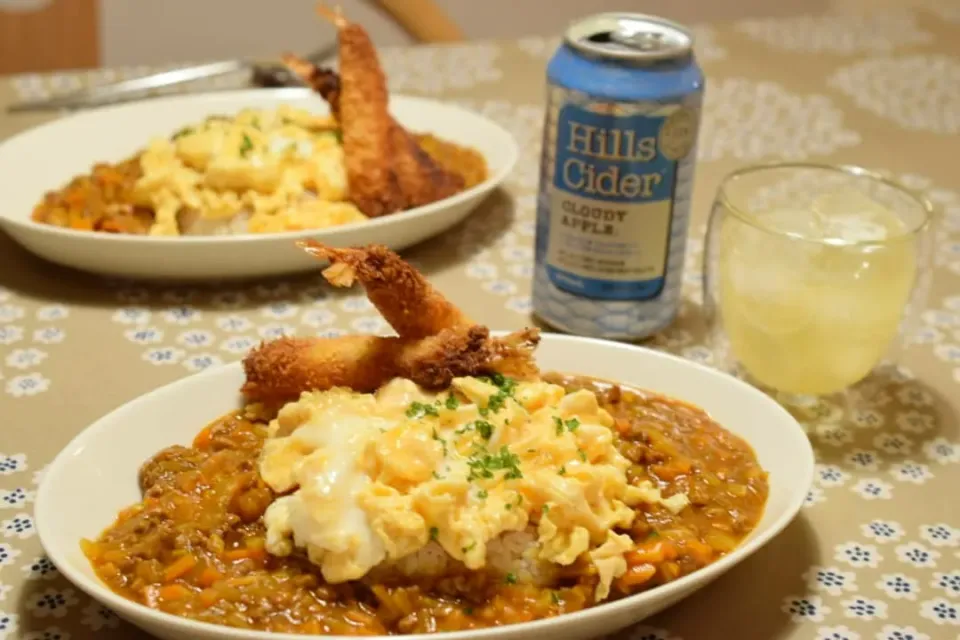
(102, 462)
(47, 157)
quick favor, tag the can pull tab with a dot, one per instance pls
(635, 38)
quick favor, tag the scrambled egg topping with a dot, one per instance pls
(376, 477)
(283, 168)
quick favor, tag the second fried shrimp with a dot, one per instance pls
(282, 369)
(405, 299)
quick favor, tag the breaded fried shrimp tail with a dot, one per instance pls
(325, 82)
(512, 355)
(400, 293)
(282, 369)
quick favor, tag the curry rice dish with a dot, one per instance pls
(452, 486)
(269, 171)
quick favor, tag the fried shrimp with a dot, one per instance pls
(405, 299)
(364, 120)
(284, 368)
(436, 341)
(387, 169)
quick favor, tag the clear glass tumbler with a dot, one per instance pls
(812, 273)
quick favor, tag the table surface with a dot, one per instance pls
(875, 552)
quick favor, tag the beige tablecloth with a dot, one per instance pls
(875, 553)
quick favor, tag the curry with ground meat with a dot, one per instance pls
(195, 545)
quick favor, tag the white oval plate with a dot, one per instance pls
(49, 156)
(103, 461)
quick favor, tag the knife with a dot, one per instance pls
(263, 74)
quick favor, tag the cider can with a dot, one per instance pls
(624, 94)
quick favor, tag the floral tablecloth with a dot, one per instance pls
(875, 553)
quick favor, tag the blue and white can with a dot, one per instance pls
(619, 147)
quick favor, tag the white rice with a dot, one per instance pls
(511, 554)
(193, 224)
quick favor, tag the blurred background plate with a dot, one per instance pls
(49, 156)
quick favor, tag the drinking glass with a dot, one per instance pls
(811, 273)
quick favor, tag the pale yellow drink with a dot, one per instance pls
(812, 302)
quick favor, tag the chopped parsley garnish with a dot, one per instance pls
(338, 134)
(246, 146)
(183, 132)
(563, 471)
(482, 494)
(570, 425)
(583, 454)
(434, 533)
(484, 411)
(510, 578)
(484, 464)
(452, 402)
(653, 534)
(443, 443)
(505, 384)
(496, 401)
(545, 508)
(484, 428)
(469, 547)
(555, 597)
(419, 410)
(437, 476)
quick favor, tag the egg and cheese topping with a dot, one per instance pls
(284, 168)
(371, 478)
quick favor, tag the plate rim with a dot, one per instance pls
(669, 592)
(512, 156)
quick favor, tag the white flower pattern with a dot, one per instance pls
(748, 120)
(837, 633)
(898, 586)
(941, 534)
(918, 92)
(910, 471)
(942, 451)
(830, 580)
(917, 555)
(50, 633)
(846, 34)
(805, 609)
(27, 385)
(862, 608)
(25, 358)
(858, 555)
(914, 421)
(941, 612)
(882, 531)
(97, 617)
(873, 489)
(894, 632)
(434, 69)
(52, 603)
